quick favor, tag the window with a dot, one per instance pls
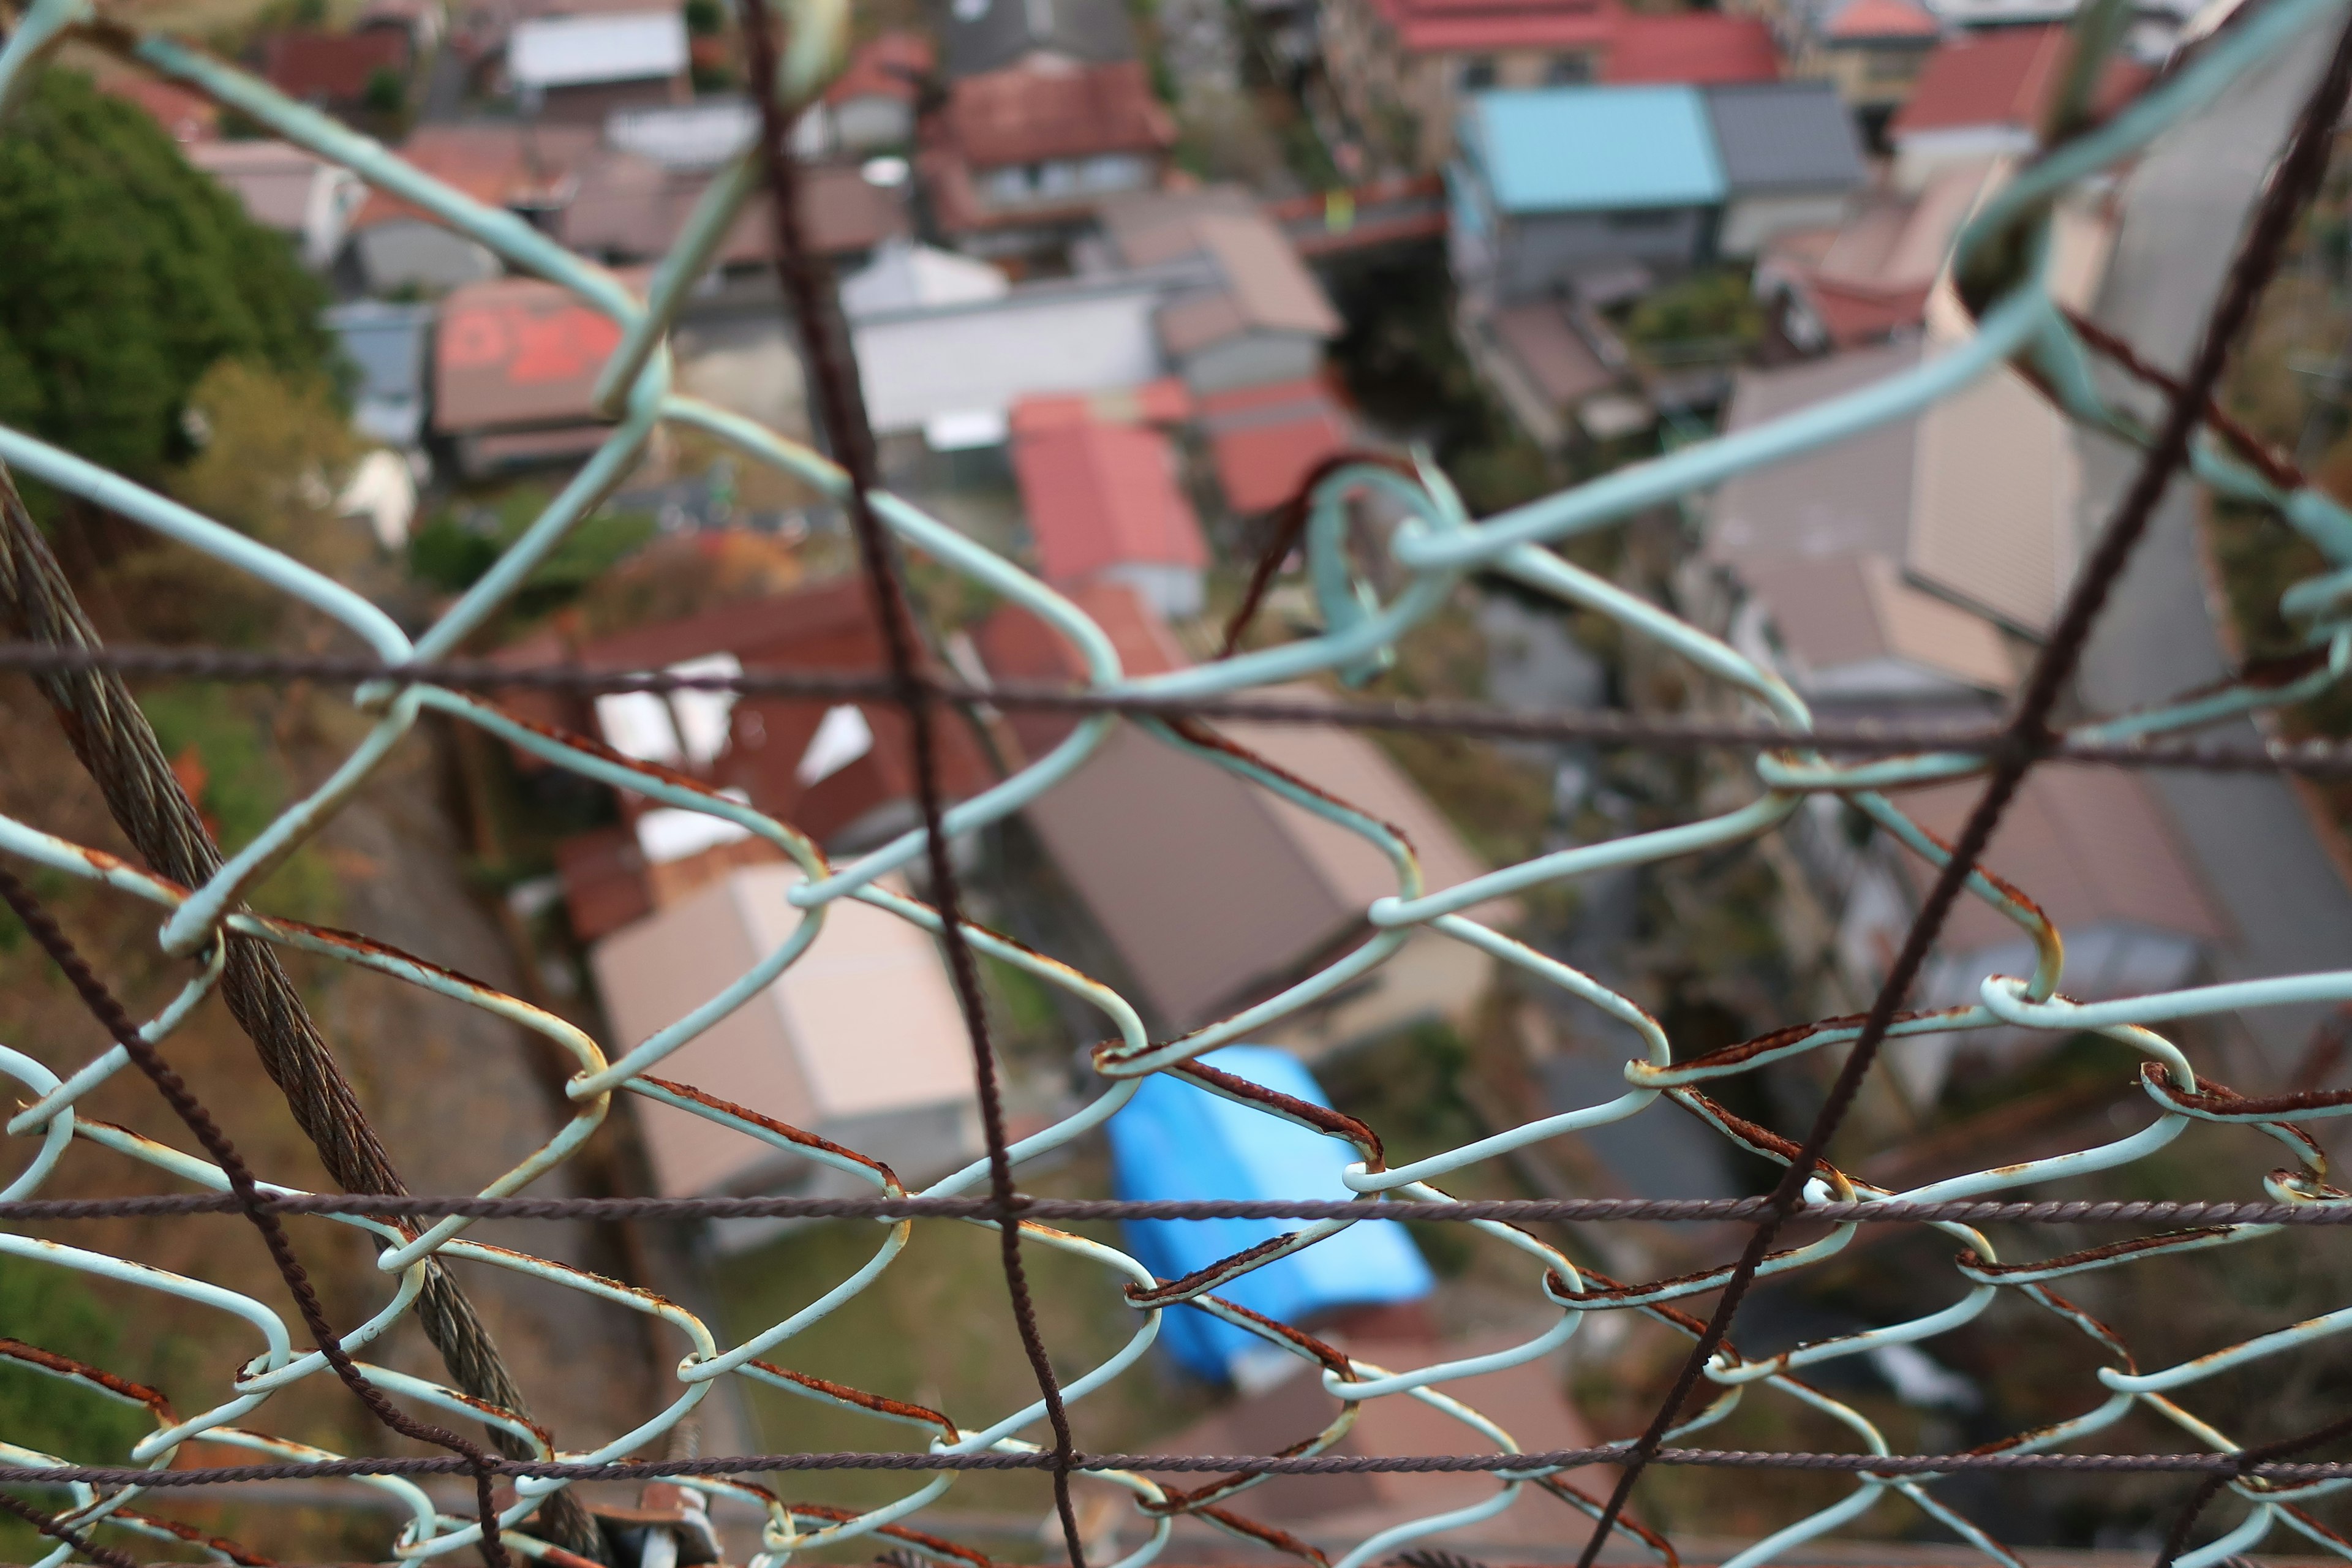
(1569, 70)
(1477, 73)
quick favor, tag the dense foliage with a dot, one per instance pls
(126, 276)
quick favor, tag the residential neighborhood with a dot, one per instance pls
(1118, 282)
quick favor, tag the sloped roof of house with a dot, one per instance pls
(331, 66)
(905, 276)
(2004, 75)
(1265, 440)
(1781, 136)
(1693, 47)
(185, 116)
(1101, 494)
(1852, 497)
(984, 36)
(1589, 149)
(1872, 21)
(2091, 846)
(1459, 25)
(515, 352)
(889, 65)
(498, 164)
(632, 208)
(1847, 610)
(578, 51)
(1031, 116)
(271, 180)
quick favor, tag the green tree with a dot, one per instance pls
(126, 276)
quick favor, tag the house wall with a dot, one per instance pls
(1535, 254)
(1872, 76)
(1014, 188)
(1252, 359)
(1750, 221)
(413, 251)
(871, 124)
(1174, 593)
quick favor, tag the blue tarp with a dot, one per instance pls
(1175, 1141)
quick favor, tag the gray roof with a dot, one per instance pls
(1784, 135)
(989, 35)
(1854, 496)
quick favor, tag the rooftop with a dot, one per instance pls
(1587, 148)
(1031, 116)
(1791, 135)
(1873, 21)
(499, 163)
(1266, 441)
(1100, 495)
(274, 181)
(577, 51)
(889, 65)
(1694, 47)
(2002, 76)
(334, 67)
(517, 352)
(984, 36)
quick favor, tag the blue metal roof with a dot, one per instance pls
(1588, 149)
(1175, 1140)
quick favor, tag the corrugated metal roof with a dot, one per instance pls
(572, 51)
(1176, 1141)
(1784, 135)
(1099, 496)
(1584, 149)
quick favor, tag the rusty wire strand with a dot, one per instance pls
(110, 1013)
(809, 289)
(2293, 184)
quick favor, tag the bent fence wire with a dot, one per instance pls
(2001, 264)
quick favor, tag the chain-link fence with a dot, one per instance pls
(521, 1476)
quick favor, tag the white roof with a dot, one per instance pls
(904, 276)
(700, 136)
(970, 359)
(572, 51)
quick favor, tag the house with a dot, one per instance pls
(1234, 893)
(579, 70)
(529, 170)
(985, 35)
(514, 374)
(423, 22)
(842, 772)
(1176, 1141)
(1104, 505)
(1406, 68)
(282, 187)
(1986, 95)
(1545, 361)
(872, 106)
(2091, 846)
(387, 345)
(340, 72)
(186, 116)
(1791, 159)
(1552, 183)
(1873, 50)
(626, 207)
(1017, 160)
(859, 1041)
(685, 138)
(951, 370)
(1256, 314)
(1264, 441)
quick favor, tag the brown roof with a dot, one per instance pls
(2008, 75)
(1848, 610)
(333, 68)
(1030, 115)
(1538, 338)
(185, 116)
(889, 65)
(1851, 497)
(499, 166)
(2091, 846)
(1265, 287)
(1232, 888)
(1015, 644)
(631, 208)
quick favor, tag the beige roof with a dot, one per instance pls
(1853, 495)
(2090, 845)
(1995, 482)
(1272, 287)
(271, 180)
(1850, 612)
(863, 1024)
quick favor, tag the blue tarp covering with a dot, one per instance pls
(1175, 1140)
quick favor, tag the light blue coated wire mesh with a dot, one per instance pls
(1435, 548)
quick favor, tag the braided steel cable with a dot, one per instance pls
(399, 679)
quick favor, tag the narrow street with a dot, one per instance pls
(2184, 208)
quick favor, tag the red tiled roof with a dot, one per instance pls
(2001, 77)
(1266, 441)
(331, 66)
(1100, 496)
(1695, 49)
(515, 352)
(1883, 19)
(885, 67)
(1461, 25)
(185, 116)
(498, 165)
(1030, 116)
